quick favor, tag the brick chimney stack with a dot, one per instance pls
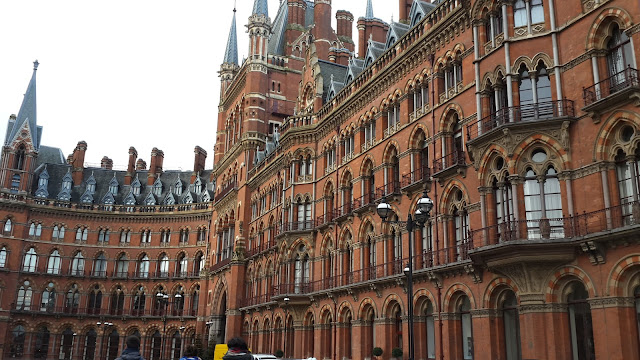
(131, 166)
(405, 9)
(344, 21)
(199, 159)
(106, 163)
(77, 162)
(322, 27)
(141, 165)
(155, 169)
(370, 28)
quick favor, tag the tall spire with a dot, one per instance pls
(27, 116)
(260, 7)
(369, 13)
(231, 53)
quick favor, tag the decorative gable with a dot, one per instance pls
(150, 199)
(136, 186)
(187, 198)
(130, 199)
(108, 199)
(169, 199)
(43, 183)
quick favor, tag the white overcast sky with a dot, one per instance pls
(123, 73)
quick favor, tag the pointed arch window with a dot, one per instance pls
(48, 300)
(95, 300)
(58, 233)
(77, 265)
(580, 323)
(165, 236)
(139, 301)
(430, 331)
(20, 158)
(125, 236)
(3, 257)
(8, 226)
(163, 266)
(511, 324)
(176, 343)
(81, 234)
(113, 345)
(90, 341)
(543, 204)
(157, 188)
(30, 260)
(628, 184)
(156, 346)
(198, 262)
(100, 266)
(184, 236)
(619, 57)
(461, 223)
(18, 335)
(466, 331)
(53, 265)
(72, 299)
(122, 266)
(35, 230)
(178, 302)
(182, 265)
(66, 344)
(41, 346)
(103, 235)
(25, 294)
(143, 266)
(301, 272)
(117, 301)
(145, 237)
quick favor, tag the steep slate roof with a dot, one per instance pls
(103, 177)
(396, 31)
(277, 40)
(330, 70)
(260, 7)
(419, 9)
(354, 69)
(374, 50)
(50, 155)
(26, 115)
(231, 52)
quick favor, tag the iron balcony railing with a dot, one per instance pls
(520, 113)
(626, 78)
(452, 159)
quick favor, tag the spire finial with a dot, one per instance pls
(234, 6)
(35, 64)
(369, 12)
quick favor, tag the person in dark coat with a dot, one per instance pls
(238, 350)
(132, 352)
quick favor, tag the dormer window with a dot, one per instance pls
(136, 186)
(157, 187)
(178, 188)
(136, 190)
(113, 185)
(91, 188)
(197, 186)
(66, 184)
(43, 182)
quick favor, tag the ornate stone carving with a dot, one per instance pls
(595, 251)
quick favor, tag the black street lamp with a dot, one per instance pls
(286, 320)
(163, 301)
(423, 207)
(104, 326)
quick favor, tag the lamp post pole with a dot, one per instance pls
(423, 206)
(163, 300)
(409, 272)
(286, 320)
(181, 340)
(104, 326)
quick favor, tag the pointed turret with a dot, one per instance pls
(369, 12)
(259, 29)
(261, 7)
(27, 117)
(229, 67)
(231, 53)
(22, 143)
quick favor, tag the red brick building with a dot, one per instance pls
(519, 118)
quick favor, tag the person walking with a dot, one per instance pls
(132, 352)
(237, 350)
(190, 353)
